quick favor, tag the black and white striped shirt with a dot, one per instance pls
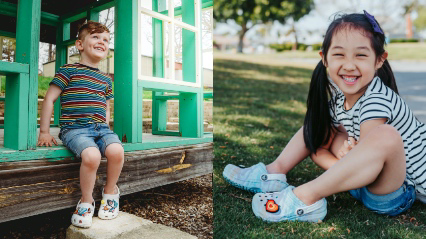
(379, 101)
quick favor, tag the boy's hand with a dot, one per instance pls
(45, 139)
(346, 147)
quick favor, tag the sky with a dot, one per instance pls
(313, 25)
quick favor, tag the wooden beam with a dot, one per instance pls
(60, 152)
(55, 185)
(7, 68)
(10, 9)
(126, 70)
(82, 12)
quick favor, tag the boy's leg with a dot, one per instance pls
(377, 161)
(90, 160)
(294, 152)
(115, 159)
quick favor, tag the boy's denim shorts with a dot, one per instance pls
(93, 135)
(390, 204)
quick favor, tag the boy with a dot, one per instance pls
(85, 98)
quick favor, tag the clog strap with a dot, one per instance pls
(275, 176)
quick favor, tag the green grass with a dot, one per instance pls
(257, 109)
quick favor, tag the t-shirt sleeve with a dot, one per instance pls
(376, 106)
(109, 94)
(61, 78)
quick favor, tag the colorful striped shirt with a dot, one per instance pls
(85, 91)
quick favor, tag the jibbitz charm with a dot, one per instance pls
(271, 206)
(299, 212)
(264, 177)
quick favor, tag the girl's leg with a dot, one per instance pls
(377, 161)
(294, 152)
(90, 160)
(115, 159)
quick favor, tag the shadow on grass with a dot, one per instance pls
(257, 109)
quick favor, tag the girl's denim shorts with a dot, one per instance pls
(93, 135)
(390, 204)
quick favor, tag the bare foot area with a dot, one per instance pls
(186, 205)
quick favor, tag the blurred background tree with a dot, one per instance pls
(248, 13)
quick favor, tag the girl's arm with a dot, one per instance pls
(326, 155)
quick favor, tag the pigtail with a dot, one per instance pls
(385, 73)
(318, 125)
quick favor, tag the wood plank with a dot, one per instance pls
(55, 185)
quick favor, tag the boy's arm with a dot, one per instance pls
(108, 112)
(46, 113)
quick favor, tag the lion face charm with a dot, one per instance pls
(271, 206)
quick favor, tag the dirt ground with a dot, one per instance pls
(186, 205)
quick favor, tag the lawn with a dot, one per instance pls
(258, 106)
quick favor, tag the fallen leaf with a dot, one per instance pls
(349, 231)
(331, 229)
(272, 147)
(227, 135)
(292, 230)
(226, 142)
(232, 157)
(319, 221)
(412, 219)
(222, 147)
(224, 155)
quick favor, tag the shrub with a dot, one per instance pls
(402, 40)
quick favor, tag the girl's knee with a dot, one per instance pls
(387, 136)
(91, 157)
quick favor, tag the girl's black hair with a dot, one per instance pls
(318, 126)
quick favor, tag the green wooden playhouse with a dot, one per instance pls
(48, 177)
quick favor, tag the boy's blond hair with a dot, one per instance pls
(91, 27)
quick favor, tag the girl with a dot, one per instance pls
(365, 136)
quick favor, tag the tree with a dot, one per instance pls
(420, 21)
(259, 11)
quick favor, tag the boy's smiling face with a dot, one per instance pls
(94, 47)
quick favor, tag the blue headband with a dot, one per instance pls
(373, 22)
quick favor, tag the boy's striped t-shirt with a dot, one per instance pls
(379, 101)
(85, 91)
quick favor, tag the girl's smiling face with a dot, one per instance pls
(352, 62)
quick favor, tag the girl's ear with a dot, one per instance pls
(322, 58)
(381, 60)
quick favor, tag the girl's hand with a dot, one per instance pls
(346, 147)
(45, 139)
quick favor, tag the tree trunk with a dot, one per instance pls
(296, 43)
(50, 53)
(1, 48)
(242, 33)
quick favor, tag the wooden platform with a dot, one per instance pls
(37, 186)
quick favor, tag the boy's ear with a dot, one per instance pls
(79, 44)
(381, 60)
(322, 58)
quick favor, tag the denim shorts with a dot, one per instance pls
(390, 204)
(93, 135)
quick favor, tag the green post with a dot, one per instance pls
(190, 104)
(159, 107)
(22, 91)
(62, 34)
(93, 15)
(126, 70)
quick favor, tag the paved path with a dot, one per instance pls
(411, 81)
